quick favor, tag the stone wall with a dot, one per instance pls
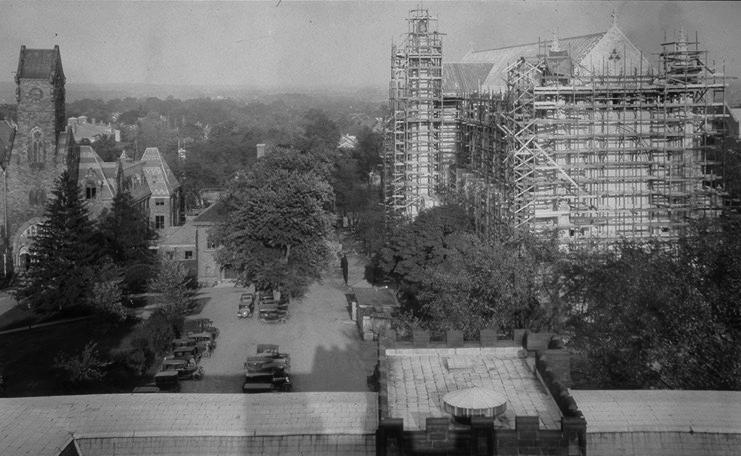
(36, 159)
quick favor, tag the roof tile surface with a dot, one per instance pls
(43, 425)
(419, 378)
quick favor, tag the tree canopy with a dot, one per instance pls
(649, 316)
(450, 278)
(126, 232)
(278, 219)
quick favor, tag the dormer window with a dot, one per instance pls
(90, 191)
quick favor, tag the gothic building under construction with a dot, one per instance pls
(583, 138)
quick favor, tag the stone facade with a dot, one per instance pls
(41, 151)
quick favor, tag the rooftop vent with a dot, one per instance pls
(466, 403)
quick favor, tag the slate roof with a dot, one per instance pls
(178, 236)
(39, 64)
(459, 78)
(500, 58)
(7, 134)
(91, 169)
(43, 426)
(347, 142)
(135, 176)
(161, 179)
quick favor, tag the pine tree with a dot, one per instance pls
(63, 253)
(127, 232)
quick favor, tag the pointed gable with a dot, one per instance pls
(614, 54)
(39, 64)
(501, 58)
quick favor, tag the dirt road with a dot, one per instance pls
(326, 351)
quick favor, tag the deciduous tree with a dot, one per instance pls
(278, 220)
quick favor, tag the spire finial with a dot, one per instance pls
(555, 45)
(613, 18)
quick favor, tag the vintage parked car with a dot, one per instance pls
(273, 315)
(185, 370)
(203, 337)
(268, 358)
(266, 382)
(245, 310)
(183, 342)
(198, 325)
(186, 353)
(167, 381)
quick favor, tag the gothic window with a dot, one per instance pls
(159, 222)
(90, 190)
(36, 148)
(614, 55)
(210, 244)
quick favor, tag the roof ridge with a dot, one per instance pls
(588, 35)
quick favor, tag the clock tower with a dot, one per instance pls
(40, 150)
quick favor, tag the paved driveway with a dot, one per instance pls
(326, 351)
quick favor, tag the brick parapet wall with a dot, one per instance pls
(422, 338)
(441, 436)
(481, 438)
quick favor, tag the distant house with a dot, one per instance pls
(83, 130)
(347, 143)
(149, 181)
(178, 243)
(209, 271)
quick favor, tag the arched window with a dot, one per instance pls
(36, 148)
(90, 190)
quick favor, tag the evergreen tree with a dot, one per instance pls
(126, 232)
(63, 252)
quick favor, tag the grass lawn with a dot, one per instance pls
(26, 358)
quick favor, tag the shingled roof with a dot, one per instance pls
(161, 179)
(39, 64)
(588, 54)
(464, 77)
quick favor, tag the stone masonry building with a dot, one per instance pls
(42, 149)
(41, 145)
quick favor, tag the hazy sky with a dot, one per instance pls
(318, 43)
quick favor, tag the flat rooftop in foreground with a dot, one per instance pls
(419, 378)
(45, 425)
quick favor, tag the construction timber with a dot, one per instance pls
(595, 159)
(414, 131)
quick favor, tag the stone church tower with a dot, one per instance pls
(40, 153)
